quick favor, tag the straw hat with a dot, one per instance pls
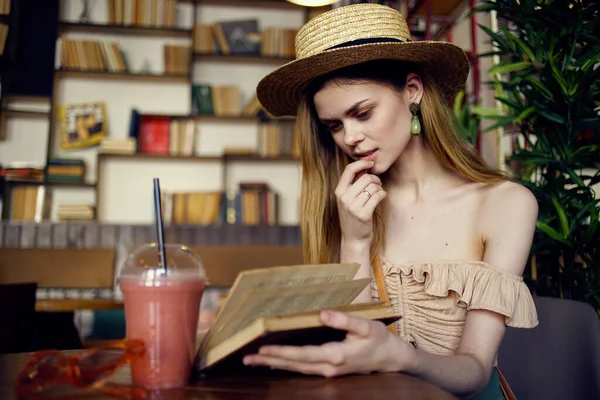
(354, 34)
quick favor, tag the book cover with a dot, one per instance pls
(82, 125)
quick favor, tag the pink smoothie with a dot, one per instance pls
(165, 317)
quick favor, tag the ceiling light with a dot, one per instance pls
(312, 3)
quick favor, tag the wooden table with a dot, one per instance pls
(374, 386)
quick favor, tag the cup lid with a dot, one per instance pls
(143, 263)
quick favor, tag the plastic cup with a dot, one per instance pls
(162, 308)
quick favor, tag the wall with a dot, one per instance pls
(126, 186)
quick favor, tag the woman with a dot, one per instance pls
(388, 183)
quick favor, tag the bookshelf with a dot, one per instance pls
(25, 114)
(60, 74)
(266, 4)
(154, 92)
(142, 156)
(115, 29)
(171, 97)
(241, 59)
(10, 184)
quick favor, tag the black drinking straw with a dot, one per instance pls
(160, 232)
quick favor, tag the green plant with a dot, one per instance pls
(550, 93)
(466, 122)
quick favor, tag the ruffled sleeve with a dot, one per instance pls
(478, 285)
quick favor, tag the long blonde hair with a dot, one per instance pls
(323, 162)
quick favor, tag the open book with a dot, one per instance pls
(281, 305)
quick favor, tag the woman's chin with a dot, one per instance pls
(377, 169)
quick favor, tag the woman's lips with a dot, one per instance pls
(369, 156)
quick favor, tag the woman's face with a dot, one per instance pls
(367, 120)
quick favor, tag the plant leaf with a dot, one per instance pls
(501, 123)
(503, 69)
(548, 230)
(524, 114)
(557, 74)
(552, 117)
(458, 100)
(523, 46)
(580, 214)
(487, 112)
(545, 92)
(575, 177)
(562, 217)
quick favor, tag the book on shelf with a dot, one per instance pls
(30, 203)
(81, 125)
(239, 37)
(204, 41)
(65, 170)
(108, 56)
(227, 100)
(277, 139)
(5, 7)
(3, 36)
(201, 208)
(244, 37)
(278, 42)
(118, 146)
(176, 59)
(224, 101)
(164, 135)
(75, 212)
(155, 13)
(23, 171)
(92, 55)
(253, 203)
(281, 305)
(202, 101)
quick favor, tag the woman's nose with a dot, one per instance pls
(352, 135)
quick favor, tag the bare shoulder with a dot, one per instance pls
(510, 197)
(509, 213)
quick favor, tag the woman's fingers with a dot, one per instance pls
(355, 325)
(358, 187)
(365, 195)
(330, 353)
(349, 175)
(367, 210)
(307, 368)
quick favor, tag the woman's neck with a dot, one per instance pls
(417, 171)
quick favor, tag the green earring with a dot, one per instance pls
(415, 123)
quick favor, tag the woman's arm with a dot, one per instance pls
(508, 224)
(468, 371)
(358, 193)
(358, 251)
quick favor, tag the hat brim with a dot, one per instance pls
(444, 63)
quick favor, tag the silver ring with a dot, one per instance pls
(367, 193)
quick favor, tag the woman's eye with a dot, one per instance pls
(334, 127)
(364, 115)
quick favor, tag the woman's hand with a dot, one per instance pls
(358, 193)
(368, 347)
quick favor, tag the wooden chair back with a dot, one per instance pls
(223, 263)
(58, 268)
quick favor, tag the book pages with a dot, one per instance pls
(279, 277)
(266, 302)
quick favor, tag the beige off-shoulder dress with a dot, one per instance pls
(434, 297)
